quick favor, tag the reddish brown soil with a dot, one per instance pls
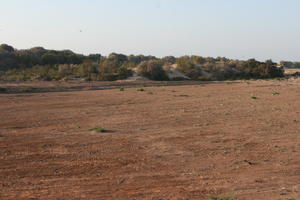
(161, 144)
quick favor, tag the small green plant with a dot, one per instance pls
(122, 89)
(221, 198)
(141, 90)
(25, 90)
(291, 199)
(254, 97)
(78, 126)
(98, 129)
(184, 95)
(275, 93)
(3, 90)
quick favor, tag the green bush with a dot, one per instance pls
(152, 69)
(98, 129)
(221, 198)
(187, 66)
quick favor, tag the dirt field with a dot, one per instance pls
(182, 142)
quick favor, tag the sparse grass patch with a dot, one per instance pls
(122, 89)
(184, 95)
(150, 93)
(3, 90)
(221, 198)
(141, 90)
(15, 127)
(275, 93)
(254, 97)
(98, 130)
(280, 79)
(25, 90)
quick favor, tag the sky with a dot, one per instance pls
(237, 29)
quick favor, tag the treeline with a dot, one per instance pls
(42, 64)
(290, 65)
(11, 58)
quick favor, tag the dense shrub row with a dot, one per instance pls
(39, 63)
(291, 65)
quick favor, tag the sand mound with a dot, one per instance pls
(136, 77)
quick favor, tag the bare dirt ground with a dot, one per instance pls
(183, 142)
(291, 71)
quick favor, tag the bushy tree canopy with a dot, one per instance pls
(40, 63)
(152, 69)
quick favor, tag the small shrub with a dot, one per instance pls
(184, 95)
(221, 198)
(153, 70)
(254, 97)
(122, 89)
(3, 90)
(25, 90)
(141, 90)
(187, 66)
(275, 93)
(98, 130)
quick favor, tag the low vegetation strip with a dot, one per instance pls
(42, 64)
(58, 86)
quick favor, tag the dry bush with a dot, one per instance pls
(152, 69)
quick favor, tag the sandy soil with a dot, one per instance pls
(169, 142)
(291, 71)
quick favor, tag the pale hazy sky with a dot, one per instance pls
(242, 29)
